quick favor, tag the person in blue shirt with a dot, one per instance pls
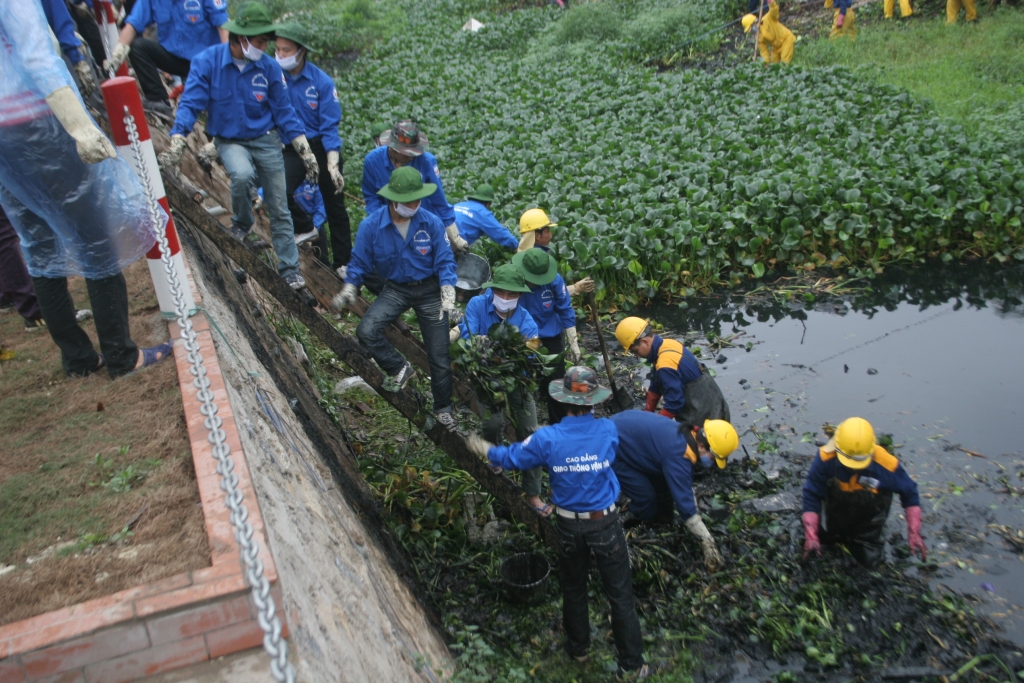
(473, 218)
(580, 452)
(184, 29)
(535, 228)
(248, 113)
(315, 100)
(654, 463)
(407, 246)
(848, 493)
(63, 26)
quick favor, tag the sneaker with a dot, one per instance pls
(295, 280)
(641, 673)
(34, 325)
(238, 233)
(305, 237)
(342, 271)
(159, 108)
(448, 421)
(398, 381)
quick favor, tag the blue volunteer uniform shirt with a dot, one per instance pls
(885, 473)
(480, 315)
(550, 306)
(579, 452)
(184, 27)
(377, 168)
(651, 445)
(315, 100)
(242, 105)
(673, 370)
(474, 219)
(380, 248)
(63, 26)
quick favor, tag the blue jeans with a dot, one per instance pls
(395, 299)
(246, 160)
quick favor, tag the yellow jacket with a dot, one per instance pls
(774, 34)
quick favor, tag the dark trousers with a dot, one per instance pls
(334, 203)
(109, 298)
(90, 31)
(149, 58)
(650, 498)
(395, 299)
(15, 283)
(604, 538)
(556, 410)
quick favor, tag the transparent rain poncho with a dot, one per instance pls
(73, 218)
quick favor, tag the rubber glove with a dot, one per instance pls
(811, 542)
(345, 297)
(117, 59)
(454, 334)
(332, 167)
(301, 145)
(207, 155)
(665, 412)
(840, 19)
(584, 285)
(479, 445)
(86, 81)
(712, 560)
(448, 305)
(171, 159)
(459, 245)
(914, 531)
(92, 145)
(574, 345)
(652, 401)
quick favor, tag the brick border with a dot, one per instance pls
(174, 622)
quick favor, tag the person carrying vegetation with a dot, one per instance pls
(774, 40)
(654, 464)
(851, 480)
(953, 11)
(535, 228)
(842, 19)
(315, 100)
(691, 395)
(406, 245)
(499, 304)
(579, 453)
(473, 218)
(248, 111)
(549, 303)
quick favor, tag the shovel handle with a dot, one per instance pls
(600, 338)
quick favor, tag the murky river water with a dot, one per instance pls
(933, 357)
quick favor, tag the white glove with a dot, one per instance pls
(301, 145)
(454, 334)
(345, 297)
(207, 155)
(574, 345)
(584, 285)
(448, 305)
(86, 80)
(477, 444)
(117, 59)
(332, 167)
(712, 560)
(93, 146)
(171, 159)
(459, 245)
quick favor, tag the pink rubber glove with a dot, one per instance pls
(914, 531)
(651, 404)
(839, 20)
(811, 542)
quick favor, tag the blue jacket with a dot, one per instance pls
(579, 452)
(480, 315)
(674, 368)
(59, 19)
(315, 100)
(885, 473)
(379, 248)
(239, 104)
(652, 445)
(550, 306)
(308, 197)
(474, 219)
(184, 27)
(377, 168)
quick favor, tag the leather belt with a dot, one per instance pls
(562, 512)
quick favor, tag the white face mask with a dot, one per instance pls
(251, 52)
(505, 305)
(404, 211)
(706, 461)
(288, 63)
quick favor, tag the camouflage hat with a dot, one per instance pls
(406, 138)
(579, 388)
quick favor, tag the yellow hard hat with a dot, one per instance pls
(628, 331)
(748, 20)
(722, 440)
(534, 219)
(855, 442)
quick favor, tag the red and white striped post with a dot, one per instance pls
(107, 20)
(119, 93)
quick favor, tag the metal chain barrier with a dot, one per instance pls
(273, 643)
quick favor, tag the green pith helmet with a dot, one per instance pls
(406, 185)
(378, 128)
(538, 266)
(252, 19)
(579, 388)
(509, 278)
(482, 193)
(296, 33)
